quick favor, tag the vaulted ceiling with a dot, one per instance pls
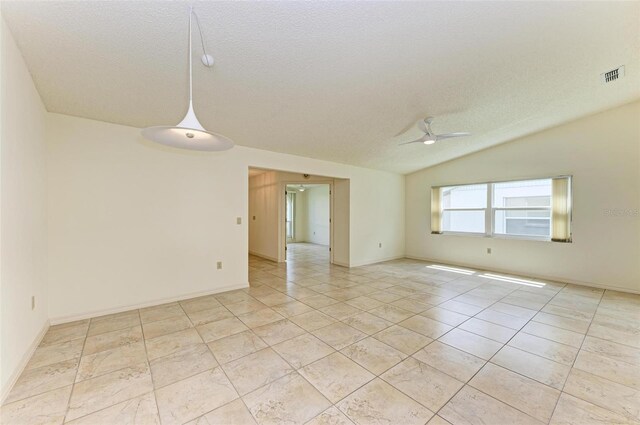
(338, 81)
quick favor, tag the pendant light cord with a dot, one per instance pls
(192, 13)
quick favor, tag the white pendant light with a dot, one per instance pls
(189, 133)
(301, 189)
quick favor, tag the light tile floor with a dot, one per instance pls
(391, 343)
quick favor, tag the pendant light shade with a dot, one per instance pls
(189, 133)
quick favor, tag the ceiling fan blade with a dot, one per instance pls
(422, 125)
(450, 135)
(420, 140)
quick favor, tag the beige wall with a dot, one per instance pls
(602, 152)
(23, 220)
(317, 218)
(134, 223)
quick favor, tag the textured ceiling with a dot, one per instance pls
(335, 80)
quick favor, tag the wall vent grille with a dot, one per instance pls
(613, 75)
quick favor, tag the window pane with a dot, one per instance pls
(470, 196)
(523, 222)
(528, 193)
(463, 221)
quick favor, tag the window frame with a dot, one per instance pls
(490, 211)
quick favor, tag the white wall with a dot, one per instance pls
(131, 222)
(23, 219)
(317, 215)
(602, 152)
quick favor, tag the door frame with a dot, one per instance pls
(282, 216)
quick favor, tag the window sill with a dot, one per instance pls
(508, 237)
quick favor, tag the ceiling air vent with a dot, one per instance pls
(614, 74)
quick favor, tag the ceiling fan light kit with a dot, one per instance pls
(189, 133)
(429, 137)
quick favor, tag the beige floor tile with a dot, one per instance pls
(573, 411)
(64, 334)
(562, 336)
(292, 308)
(139, 410)
(364, 303)
(40, 380)
(114, 322)
(502, 319)
(275, 299)
(236, 346)
(336, 376)
(103, 362)
(260, 318)
(166, 326)
(220, 329)
(312, 320)
(461, 308)
(604, 393)
(193, 305)
(411, 305)
(391, 313)
(44, 409)
(472, 407)
(195, 396)
(160, 312)
(246, 306)
(256, 369)
(338, 335)
(367, 323)
(235, 412)
(373, 355)
(380, 403)
(55, 353)
(331, 416)
(110, 340)
(535, 367)
(319, 301)
(612, 350)
(566, 312)
(302, 350)
(279, 331)
(289, 399)
(572, 324)
(202, 317)
(489, 330)
(426, 326)
(423, 383)
(531, 397)
(169, 344)
(608, 368)
(617, 330)
(403, 339)
(548, 349)
(232, 297)
(471, 343)
(340, 311)
(449, 360)
(445, 316)
(181, 364)
(98, 393)
(437, 420)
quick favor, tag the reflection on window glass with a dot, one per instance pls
(463, 221)
(470, 196)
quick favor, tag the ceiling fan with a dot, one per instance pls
(430, 137)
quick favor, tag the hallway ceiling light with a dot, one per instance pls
(301, 189)
(189, 133)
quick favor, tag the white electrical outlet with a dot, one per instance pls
(488, 250)
(33, 303)
(219, 265)
(379, 244)
(238, 220)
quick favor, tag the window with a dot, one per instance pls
(528, 209)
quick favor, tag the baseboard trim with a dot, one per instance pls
(95, 313)
(24, 361)
(533, 275)
(340, 263)
(266, 257)
(380, 260)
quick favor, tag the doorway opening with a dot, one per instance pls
(308, 221)
(298, 215)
